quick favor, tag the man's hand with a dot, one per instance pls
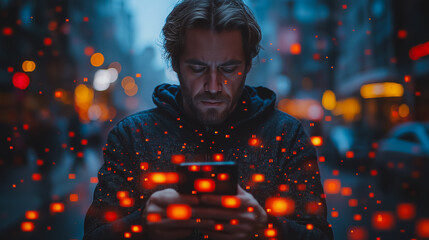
(237, 222)
(166, 228)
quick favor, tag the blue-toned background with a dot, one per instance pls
(355, 72)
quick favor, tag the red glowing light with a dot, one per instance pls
(74, 197)
(357, 233)
(402, 34)
(144, 166)
(204, 185)
(110, 216)
(194, 168)
(383, 220)
(284, 187)
(177, 159)
(207, 168)
(153, 217)
(344, 6)
(419, 51)
(36, 176)
(406, 211)
(20, 80)
(346, 191)
(422, 228)
(89, 51)
(47, 41)
(7, 31)
(218, 227)
(350, 154)
(254, 142)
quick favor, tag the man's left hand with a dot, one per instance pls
(233, 221)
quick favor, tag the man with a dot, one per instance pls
(211, 44)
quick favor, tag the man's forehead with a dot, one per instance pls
(206, 45)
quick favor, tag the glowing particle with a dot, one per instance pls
(97, 59)
(20, 80)
(179, 211)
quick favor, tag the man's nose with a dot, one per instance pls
(213, 82)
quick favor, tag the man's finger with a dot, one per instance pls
(222, 214)
(167, 224)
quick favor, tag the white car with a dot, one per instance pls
(403, 158)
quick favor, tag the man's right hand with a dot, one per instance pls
(167, 228)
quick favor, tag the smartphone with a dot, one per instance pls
(219, 178)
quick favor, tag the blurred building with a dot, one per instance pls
(378, 84)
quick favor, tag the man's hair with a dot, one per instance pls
(216, 15)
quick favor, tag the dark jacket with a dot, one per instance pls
(283, 154)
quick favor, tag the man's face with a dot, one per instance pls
(212, 72)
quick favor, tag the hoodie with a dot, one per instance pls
(259, 138)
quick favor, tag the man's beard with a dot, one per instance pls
(212, 116)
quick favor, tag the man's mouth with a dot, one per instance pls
(211, 102)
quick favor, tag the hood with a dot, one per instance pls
(253, 103)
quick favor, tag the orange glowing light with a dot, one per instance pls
(72, 176)
(20, 80)
(383, 220)
(317, 141)
(194, 168)
(74, 197)
(144, 166)
(179, 211)
(172, 177)
(136, 228)
(110, 216)
(230, 202)
(279, 206)
(204, 185)
(122, 194)
(126, 202)
(177, 159)
(406, 211)
(270, 232)
(36, 176)
(422, 228)
(57, 207)
(28, 66)
(295, 49)
(158, 177)
(218, 227)
(58, 94)
(334, 214)
(223, 176)
(127, 235)
(31, 215)
(258, 177)
(218, 157)
(309, 226)
(97, 59)
(254, 142)
(27, 226)
(346, 191)
(332, 186)
(153, 217)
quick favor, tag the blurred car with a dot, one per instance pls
(351, 149)
(402, 158)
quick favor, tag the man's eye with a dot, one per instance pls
(228, 69)
(198, 69)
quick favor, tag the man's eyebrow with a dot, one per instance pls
(227, 63)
